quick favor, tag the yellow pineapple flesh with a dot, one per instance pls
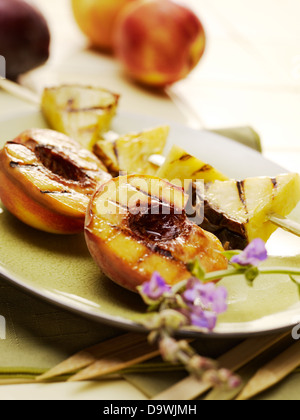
(182, 166)
(242, 207)
(82, 113)
(130, 153)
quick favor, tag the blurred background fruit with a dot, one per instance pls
(96, 19)
(158, 41)
(24, 37)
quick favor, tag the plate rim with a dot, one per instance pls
(49, 296)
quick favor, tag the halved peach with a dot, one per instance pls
(137, 225)
(46, 180)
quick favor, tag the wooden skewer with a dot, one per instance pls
(190, 388)
(87, 357)
(117, 361)
(19, 91)
(273, 372)
(285, 224)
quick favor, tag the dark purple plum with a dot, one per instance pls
(24, 37)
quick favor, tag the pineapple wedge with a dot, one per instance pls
(180, 165)
(237, 211)
(130, 153)
(81, 112)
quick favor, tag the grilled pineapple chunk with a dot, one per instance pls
(81, 112)
(180, 165)
(131, 152)
(237, 211)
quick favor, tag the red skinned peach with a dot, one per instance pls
(158, 41)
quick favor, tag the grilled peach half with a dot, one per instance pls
(46, 180)
(136, 225)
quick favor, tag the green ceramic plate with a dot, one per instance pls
(60, 269)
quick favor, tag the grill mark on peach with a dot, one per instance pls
(86, 182)
(154, 248)
(23, 165)
(151, 196)
(150, 203)
(63, 170)
(164, 253)
(122, 206)
(55, 192)
(59, 164)
(147, 194)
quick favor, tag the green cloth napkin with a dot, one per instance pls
(39, 335)
(245, 135)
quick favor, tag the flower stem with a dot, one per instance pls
(210, 277)
(216, 275)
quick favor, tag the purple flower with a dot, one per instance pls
(203, 319)
(155, 288)
(207, 296)
(254, 254)
(205, 302)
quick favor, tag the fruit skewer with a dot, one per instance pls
(158, 160)
(276, 219)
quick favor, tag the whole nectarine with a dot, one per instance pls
(158, 41)
(96, 19)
